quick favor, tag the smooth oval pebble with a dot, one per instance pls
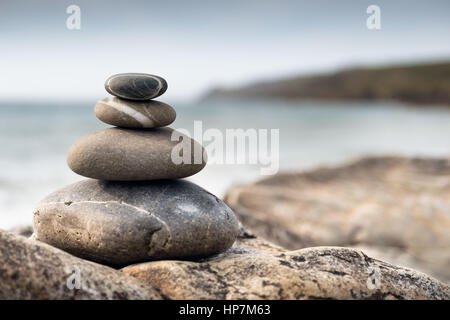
(131, 155)
(120, 223)
(135, 86)
(129, 114)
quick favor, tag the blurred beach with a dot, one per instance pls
(35, 137)
(214, 45)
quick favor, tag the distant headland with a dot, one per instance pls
(413, 83)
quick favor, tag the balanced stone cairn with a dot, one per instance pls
(133, 209)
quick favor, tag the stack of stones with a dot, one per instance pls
(134, 208)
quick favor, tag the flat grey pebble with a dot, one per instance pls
(136, 86)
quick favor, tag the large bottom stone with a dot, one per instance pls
(119, 223)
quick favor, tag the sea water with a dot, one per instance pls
(35, 137)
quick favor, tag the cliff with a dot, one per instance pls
(420, 83)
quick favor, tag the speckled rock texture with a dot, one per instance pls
(130, 155)
(398, 209)
(256, 269)
(34, 270)
(136, 86)
(129, 114)
(119, 223)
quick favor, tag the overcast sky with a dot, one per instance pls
(197, 45)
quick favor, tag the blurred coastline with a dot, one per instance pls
(415, 83)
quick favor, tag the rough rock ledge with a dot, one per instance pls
(256, 269)
(251, 269)
(31, 269)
